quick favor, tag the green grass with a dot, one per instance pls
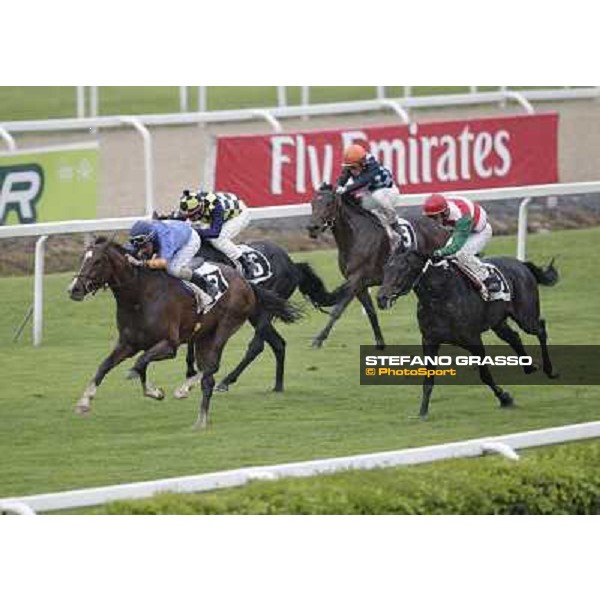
(45, 447)
(30, 103)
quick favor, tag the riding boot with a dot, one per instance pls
(492, 283)
(247, 267)
(208, 287)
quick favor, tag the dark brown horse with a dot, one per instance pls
(156, 313)
(363, 250)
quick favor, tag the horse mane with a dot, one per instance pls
(355, 207)
(109, 243)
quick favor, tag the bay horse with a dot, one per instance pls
(287, 277)
(451, 311)
(363, 250)
(156, 313)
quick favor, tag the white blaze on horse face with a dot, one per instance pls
(87, 256)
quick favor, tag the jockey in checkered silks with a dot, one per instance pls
(218, 217)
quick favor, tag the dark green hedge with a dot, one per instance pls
(558, 480)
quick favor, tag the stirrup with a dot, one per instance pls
(208, 287)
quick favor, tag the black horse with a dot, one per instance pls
(363, 249)
(451, 311)
(287, 277)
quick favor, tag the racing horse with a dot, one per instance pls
(287, 276)
(363, 249)
(451, 311)
(157, 313)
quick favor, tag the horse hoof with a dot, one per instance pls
(317, 344)
(132, 374)
(156, 394)
(277, 389)
(221, 387)
(380, 346)
(82, 410)
(199, 425)
(181, 393)
(530, 369)
(506, 400)
(553, 375)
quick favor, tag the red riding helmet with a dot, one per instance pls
(436, 204)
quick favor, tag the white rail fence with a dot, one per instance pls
(526, 195)
(505, 445)
(274, 115)
(381, 93)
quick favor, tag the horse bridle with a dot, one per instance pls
(89, 284)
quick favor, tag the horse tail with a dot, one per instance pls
(312, 287)
(548, 276)
(275, 305)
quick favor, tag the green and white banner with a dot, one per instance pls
(58, 183)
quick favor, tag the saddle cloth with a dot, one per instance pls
(261, 267)
(503, 294)
(407, 235)
(212, 273)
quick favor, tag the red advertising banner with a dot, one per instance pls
(286, 168)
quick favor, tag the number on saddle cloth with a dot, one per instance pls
(214, 276)
(261, 267)
(408, 237)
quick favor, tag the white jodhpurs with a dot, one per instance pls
(381, 202)
(474, 245)
(231, 230)
(179, 264)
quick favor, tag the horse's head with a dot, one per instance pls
(400, 276)
(323, 210)
(97, 269)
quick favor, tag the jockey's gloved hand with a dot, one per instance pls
(135, 262)
(340, 190)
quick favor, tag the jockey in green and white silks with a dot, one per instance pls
(471, 232)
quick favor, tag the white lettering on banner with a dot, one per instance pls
(446, 167)
(20, 188)
(300, 165)
(352, 137)
(317, 177)
(278, 159)
(482, 149)
(416, 160)
(502, 138)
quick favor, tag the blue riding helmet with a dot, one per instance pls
(141, 233)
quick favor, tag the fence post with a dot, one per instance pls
(522, 231)
(183, 98)
(94, 103)
(80, 98)
(9, 139)
(380, 92)
(281, 96)
(202, 97)
(38, 290)
(148, 161)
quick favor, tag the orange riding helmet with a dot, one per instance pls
(354, 156)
